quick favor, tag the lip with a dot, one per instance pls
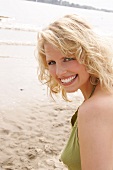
(69, 83)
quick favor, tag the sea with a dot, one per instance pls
(20, 22)
(27, 17)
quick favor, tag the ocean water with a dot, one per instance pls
(19, 26)
(31, 16)
(22, 19)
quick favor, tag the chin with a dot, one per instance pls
(70, 91)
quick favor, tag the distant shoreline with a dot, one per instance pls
(66, 3)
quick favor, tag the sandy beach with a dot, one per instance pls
(33, 127)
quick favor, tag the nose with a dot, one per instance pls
(60, 70)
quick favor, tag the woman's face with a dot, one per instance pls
(66, 70)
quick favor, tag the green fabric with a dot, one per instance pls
(71, 153)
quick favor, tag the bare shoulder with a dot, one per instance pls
(97, 108)
(95, 132)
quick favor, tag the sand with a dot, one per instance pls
(33, 127)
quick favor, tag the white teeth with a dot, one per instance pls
(68, 80)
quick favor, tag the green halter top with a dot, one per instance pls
(71, 153)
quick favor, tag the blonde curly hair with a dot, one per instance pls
(73, 36)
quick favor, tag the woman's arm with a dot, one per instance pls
(95, 138)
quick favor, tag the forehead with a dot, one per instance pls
(49, 48)
(51, 51)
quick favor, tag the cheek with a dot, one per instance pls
(52, 71)
(73, 67)
(85, 73)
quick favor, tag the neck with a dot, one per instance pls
(88, 92)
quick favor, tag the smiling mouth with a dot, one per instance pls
(69, 80)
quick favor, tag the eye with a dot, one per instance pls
(51, 62)
(68, 59)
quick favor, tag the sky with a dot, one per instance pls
(106, 4)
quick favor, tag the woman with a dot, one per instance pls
(71, 57)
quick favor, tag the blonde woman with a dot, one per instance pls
(71, 57)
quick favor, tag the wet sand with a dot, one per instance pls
(33, 127)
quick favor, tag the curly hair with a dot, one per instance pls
(73, 36)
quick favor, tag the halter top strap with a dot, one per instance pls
(74, 117)
(92, 91)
